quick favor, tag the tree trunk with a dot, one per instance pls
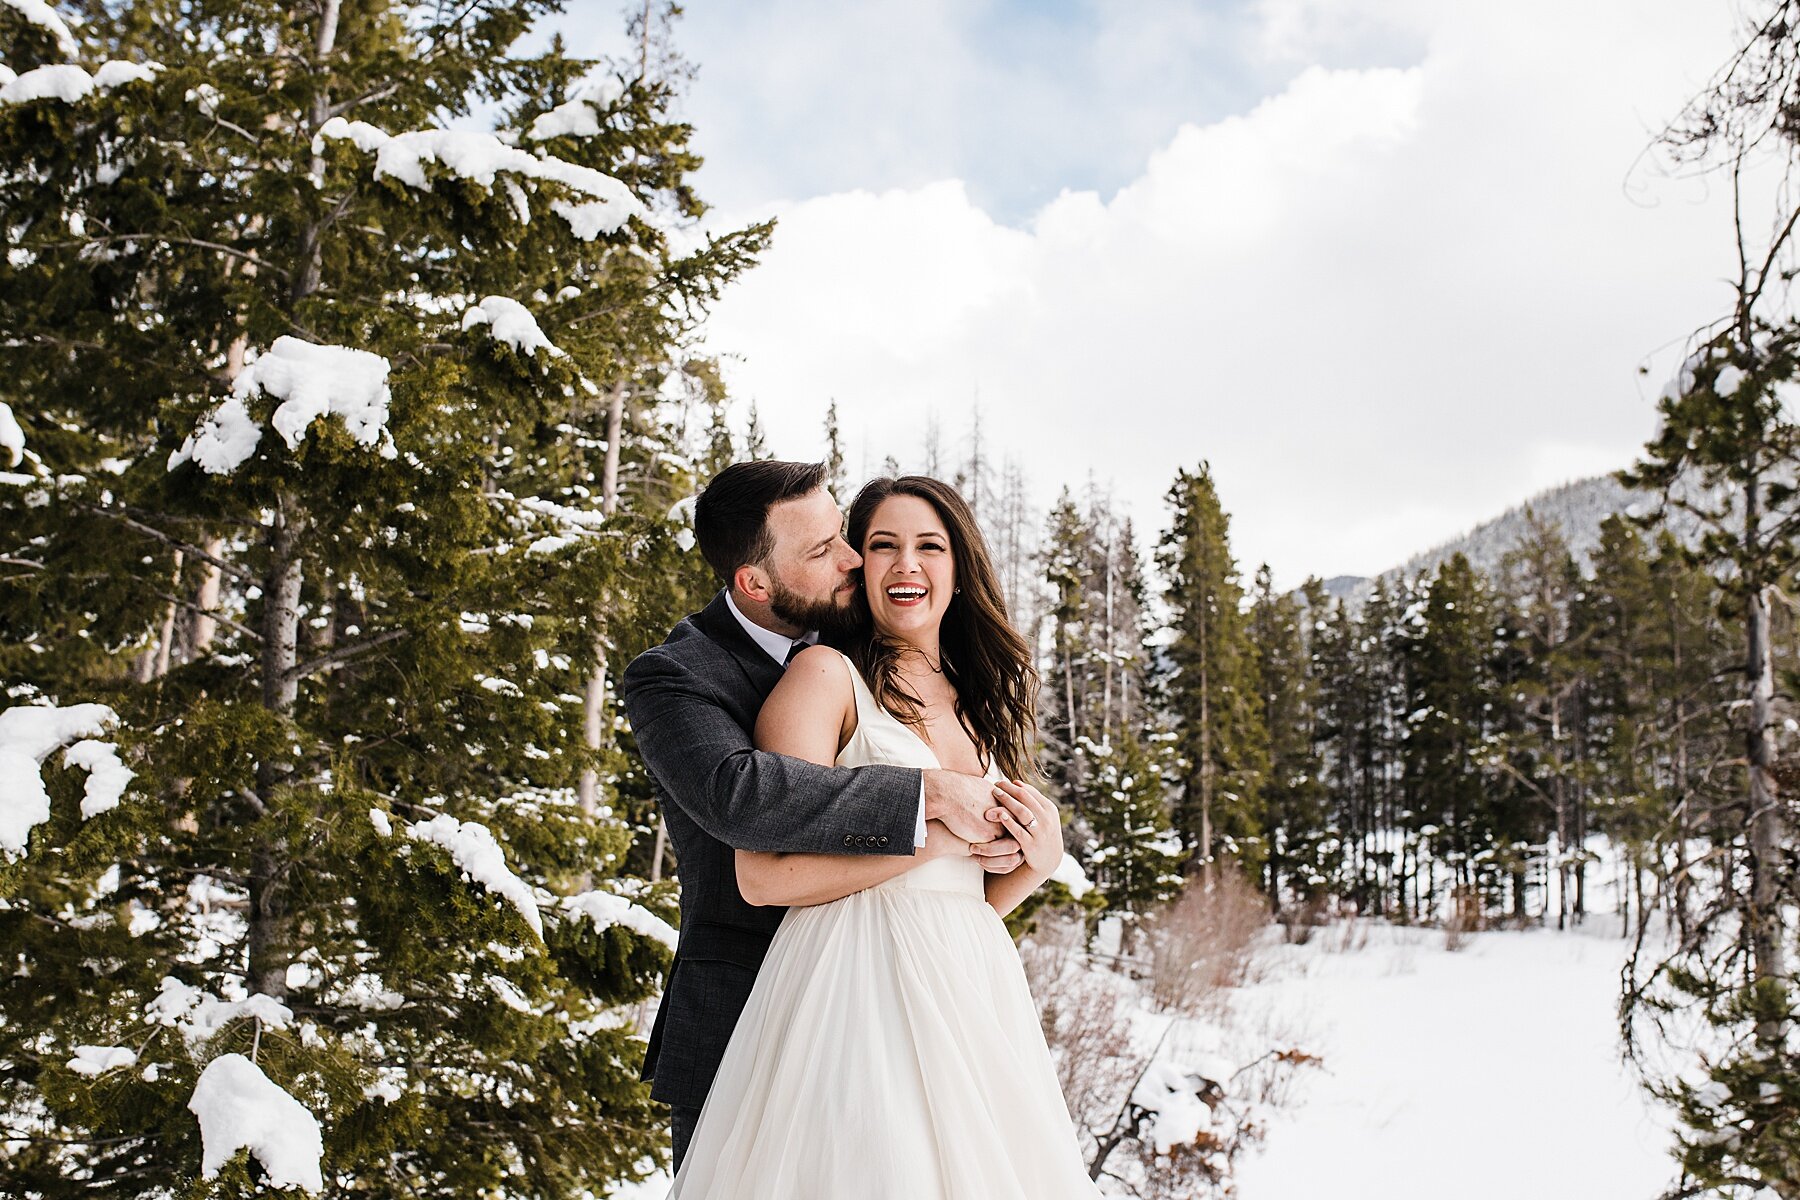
(1681, 781)
(593, 706)
(1106, 689)
(1764, 922)
(268, 943)
(1206, 763)
(206, 600)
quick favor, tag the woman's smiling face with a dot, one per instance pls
(909, 571)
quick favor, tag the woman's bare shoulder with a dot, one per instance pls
(818, 675)
(815, 695)
(818, 667)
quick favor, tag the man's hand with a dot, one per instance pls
(962, 803)
(941, 843)
(1001, 856)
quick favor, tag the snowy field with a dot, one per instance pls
(1490, 1073)
(1487, 1073)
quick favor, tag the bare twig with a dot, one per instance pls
(344, 653)
(212, 613)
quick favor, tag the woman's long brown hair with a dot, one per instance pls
(983, 656)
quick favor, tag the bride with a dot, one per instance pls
(890, 1049)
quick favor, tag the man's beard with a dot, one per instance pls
(827, 616)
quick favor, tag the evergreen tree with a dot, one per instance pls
(1136, 859)
(756, 440)
(1339, 731)
(1301, 852)
(1063, 721)
(1211, 689)
(309, 387)
(700, 377)
(835, 477)
(1359, 659)
(1096, 680)
(1659, 665)
(1547, 681)
(1451, 690)
(1727, 451)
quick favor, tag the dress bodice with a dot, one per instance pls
(881, 737)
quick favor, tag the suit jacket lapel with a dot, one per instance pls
(717, 623)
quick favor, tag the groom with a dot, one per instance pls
(774, 536)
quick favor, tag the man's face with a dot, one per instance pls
(809, 571)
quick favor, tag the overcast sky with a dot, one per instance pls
(1389, 265)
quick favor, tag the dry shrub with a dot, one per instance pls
(1301, 920)
(1086, 1013)
(1203, 941)
(1085, 1022)
(1466, 915)
(1352, 933)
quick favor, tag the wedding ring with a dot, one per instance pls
(1032, 824)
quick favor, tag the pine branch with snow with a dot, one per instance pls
(329, 456)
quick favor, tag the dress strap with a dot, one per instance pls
(865, 699)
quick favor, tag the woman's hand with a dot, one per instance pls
(941, 843)
(1033, 821)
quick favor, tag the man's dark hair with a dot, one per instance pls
(731, 517)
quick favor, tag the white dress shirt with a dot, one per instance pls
(777, 646)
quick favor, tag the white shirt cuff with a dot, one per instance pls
(919, 828)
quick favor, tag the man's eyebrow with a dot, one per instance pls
(825, 541)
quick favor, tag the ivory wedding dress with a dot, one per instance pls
(890, 1049)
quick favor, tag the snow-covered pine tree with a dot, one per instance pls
(837, 477)
(1097, 669)
(1302, 854)
(1211, 689)
(1659, 667)
(1450, 715)
(1545, 674)
(332, 419)
(1727, 454)
(1062, 721)
(756, 438)
(1341, 725)
(1357, 659)
(1135, 858)
(1618, 610)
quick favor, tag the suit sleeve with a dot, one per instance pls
(752, 799)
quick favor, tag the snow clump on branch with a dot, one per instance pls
(197, 1014)
(91, 1061)
(30, 734)
(473, 848)
(12, 438)
(606, 910)
(311, 381)
(69, 83)
(580, 117)
(480, 157)
(241, 1108)
(510, 322)
(38, 13)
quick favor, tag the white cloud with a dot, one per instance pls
(1385, 303)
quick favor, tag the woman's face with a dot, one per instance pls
(909, 572)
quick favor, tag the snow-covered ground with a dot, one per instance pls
(1488, 1072)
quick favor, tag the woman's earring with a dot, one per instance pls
(956, 592)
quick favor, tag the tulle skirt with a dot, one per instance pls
(890, 1050)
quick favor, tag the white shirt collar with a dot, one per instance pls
(775, 645)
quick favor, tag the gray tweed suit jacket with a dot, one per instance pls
(692, 702)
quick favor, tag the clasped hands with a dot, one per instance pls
(1002, 825)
